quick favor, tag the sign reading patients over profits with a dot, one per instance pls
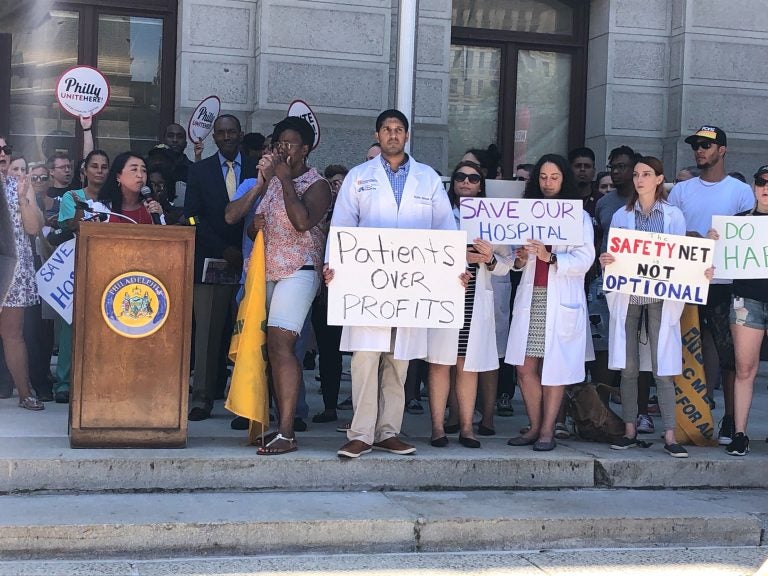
(662, 266)
(202, 119)
(396, 277)
(56, 280)
(82, 91)
(515, 220)
(742, 251)
(302, 110)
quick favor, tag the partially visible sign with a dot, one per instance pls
(396, 277)
(662, 266)
(135, 304)
(56, 280)
(515, 220)
(202, 119)
(302, 110)
(82, 91)
(742, 250)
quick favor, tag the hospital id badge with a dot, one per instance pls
(738, 303)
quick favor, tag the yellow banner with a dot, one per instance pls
(695, 424)
(248, 392)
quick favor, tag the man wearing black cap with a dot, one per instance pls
(714, 193)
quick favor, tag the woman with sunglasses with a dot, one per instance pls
(459, 355)
(637, 318)
(749, 325)
(26, 219)
(548, 334)
(292, 213)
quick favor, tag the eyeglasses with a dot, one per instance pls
(461, 176)
(284, 145)
(7, 149)
(760, 182)
(704, 145)
(38, 178)
(616, 167)
(518, 178)
(65, 167)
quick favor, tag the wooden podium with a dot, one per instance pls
(132, 325)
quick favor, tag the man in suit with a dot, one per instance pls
(210, 187)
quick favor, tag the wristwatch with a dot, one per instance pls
(552, 258)
(493, 262)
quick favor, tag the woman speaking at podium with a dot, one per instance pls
(122, 191)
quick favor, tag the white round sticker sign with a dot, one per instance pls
(302, 110)
(82, 91)
(201, 121)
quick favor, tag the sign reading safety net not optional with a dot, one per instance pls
(396, 277)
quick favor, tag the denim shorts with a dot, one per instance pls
(289, 299)
(753, 314)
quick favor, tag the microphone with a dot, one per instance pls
(146, 195)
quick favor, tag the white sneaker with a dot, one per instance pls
(645, 424)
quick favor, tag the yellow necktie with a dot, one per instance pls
(231, 181)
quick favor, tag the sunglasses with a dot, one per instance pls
(461, 176)
(518, 178)
(7, 149)
(38, 178)
(760, 182)
(703, 145)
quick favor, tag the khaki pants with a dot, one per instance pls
(378, 396)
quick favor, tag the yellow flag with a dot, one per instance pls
(692, 414)
(248, 392)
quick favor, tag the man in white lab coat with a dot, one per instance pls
(391, 190)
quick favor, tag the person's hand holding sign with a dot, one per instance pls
(257, 224)
(327, 274)
(538, 249)
(199, 146)
(606, 258)
(86, 123)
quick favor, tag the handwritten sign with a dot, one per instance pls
(662, 266)
(56, 280)
(742, 251)
(515, 220)
(202, 119)
(82, 91)
(302, 110)
(396, 277)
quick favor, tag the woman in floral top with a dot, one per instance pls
(291, 213)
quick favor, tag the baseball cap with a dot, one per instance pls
(760, 171)
(708, 133)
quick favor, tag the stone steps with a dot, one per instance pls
(48, 465)
(162, 525)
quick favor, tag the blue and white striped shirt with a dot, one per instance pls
(652, 222)
(397, 179)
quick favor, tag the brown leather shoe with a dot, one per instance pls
(394, 445)
(354, 449)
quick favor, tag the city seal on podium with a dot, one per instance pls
(135, 305)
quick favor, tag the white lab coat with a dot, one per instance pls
(481, 353)
(669, 355)
(567, 342)
(366, 200)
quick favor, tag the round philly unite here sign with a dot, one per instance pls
(302, 110)
(202, 119)
(82, 91)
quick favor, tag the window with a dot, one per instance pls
(529, 91)
(133, 45)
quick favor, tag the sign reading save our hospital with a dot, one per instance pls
(82, 91)
(56, 280)
(135, 304)
(742, 250)
(203, 117)
(396, 277)
(515, 220)
(662, 266)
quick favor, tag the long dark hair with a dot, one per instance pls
(658, 169)
(91, 154)
(452, 196)
(110, 193)
(568, 188)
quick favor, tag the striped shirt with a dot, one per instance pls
(652, 222)
(397, 179)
